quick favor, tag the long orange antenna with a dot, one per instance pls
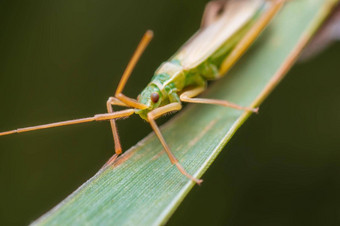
(135, 57)
(129, 68)
(98, 117)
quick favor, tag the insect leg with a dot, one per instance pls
(118, 147)
(187, 96)
(154, 115)
(131, 65)
(251, 35)
(211, 12)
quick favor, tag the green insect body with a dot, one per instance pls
(208, 55)
(171, 78)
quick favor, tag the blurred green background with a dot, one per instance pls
(61, 60)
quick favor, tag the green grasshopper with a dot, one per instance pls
(228, 29)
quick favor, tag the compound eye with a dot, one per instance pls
(154, 97)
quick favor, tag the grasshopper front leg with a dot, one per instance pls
(120, 99)
(152, 116)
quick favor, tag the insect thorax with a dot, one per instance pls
(171, 77)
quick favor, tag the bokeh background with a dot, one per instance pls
(62, 59)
